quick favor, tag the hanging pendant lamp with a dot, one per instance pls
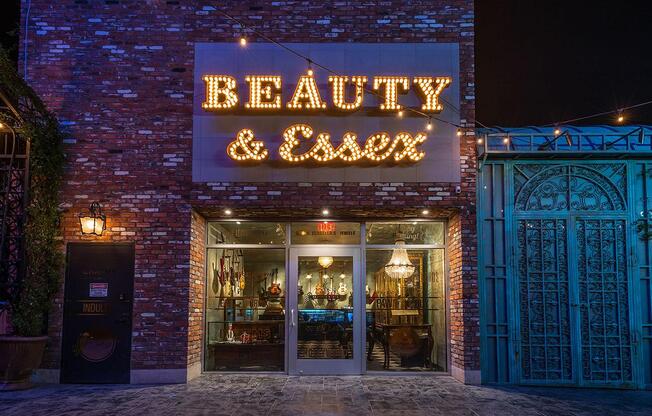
(399, 266)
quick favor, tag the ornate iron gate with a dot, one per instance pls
(14, 174)
(564, 233)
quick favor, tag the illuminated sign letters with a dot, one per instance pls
(346, 96)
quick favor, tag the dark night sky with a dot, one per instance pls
(542, 61)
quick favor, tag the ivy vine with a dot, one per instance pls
(30, 298)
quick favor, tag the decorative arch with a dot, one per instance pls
(595, 187)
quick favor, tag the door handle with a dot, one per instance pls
(292, 318)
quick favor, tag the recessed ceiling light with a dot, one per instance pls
(325, 211)
(425, 212)
(228, 212)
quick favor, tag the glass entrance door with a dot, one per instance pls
(326, 311)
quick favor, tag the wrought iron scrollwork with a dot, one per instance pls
(597, 187)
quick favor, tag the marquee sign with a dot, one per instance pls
(265, 95)
(259, 114)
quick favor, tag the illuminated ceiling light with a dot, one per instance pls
(243, 41)
(238, 222)
(325, 261)
(227, 211)
(325, 211)
(399, 266)
(93, 221)
(425, 212)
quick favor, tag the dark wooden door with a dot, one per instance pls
(96, 346)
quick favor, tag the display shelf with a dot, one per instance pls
(254, 321)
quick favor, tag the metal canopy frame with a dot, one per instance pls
(565, 142)
(14, 187)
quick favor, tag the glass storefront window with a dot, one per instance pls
(245, 309)
(325, 307)
(406, 317)
(246, 233)
(412, 232)
(247, 284)
(325, 232)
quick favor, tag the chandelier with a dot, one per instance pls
(399, 266)
(325, 261)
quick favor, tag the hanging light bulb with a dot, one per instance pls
(429, 125)
(399, 266)
(400, 113)
(243, 41)
(310, 72)
(621, 117)
(325, 261)
(557, 131)
(459, 132)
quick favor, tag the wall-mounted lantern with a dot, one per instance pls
(93, 221)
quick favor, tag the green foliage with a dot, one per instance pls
(31, 298)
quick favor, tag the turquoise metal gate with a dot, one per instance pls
(565, 283)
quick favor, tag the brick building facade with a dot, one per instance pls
(119, 75)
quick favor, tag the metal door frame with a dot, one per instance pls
(356, 365)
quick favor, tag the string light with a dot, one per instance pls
(264, 92)
(221, 92)
(338, 87)
(391, 92)
(620, 117)
(480, 141)
(227, 211)
(400, 113)
(459, 132)
(430, 93)
(429, 125)
(310, 72)
(557, 132)
(243, 41)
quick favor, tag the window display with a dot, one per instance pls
(397, 324)
(406, 313)
(325, 306)
(245, 314)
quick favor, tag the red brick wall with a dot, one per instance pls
(119, 74)
(197, 284)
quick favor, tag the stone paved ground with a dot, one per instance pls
(245, 395)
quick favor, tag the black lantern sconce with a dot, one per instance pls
(92, 222)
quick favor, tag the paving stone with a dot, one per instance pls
(236, 395)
